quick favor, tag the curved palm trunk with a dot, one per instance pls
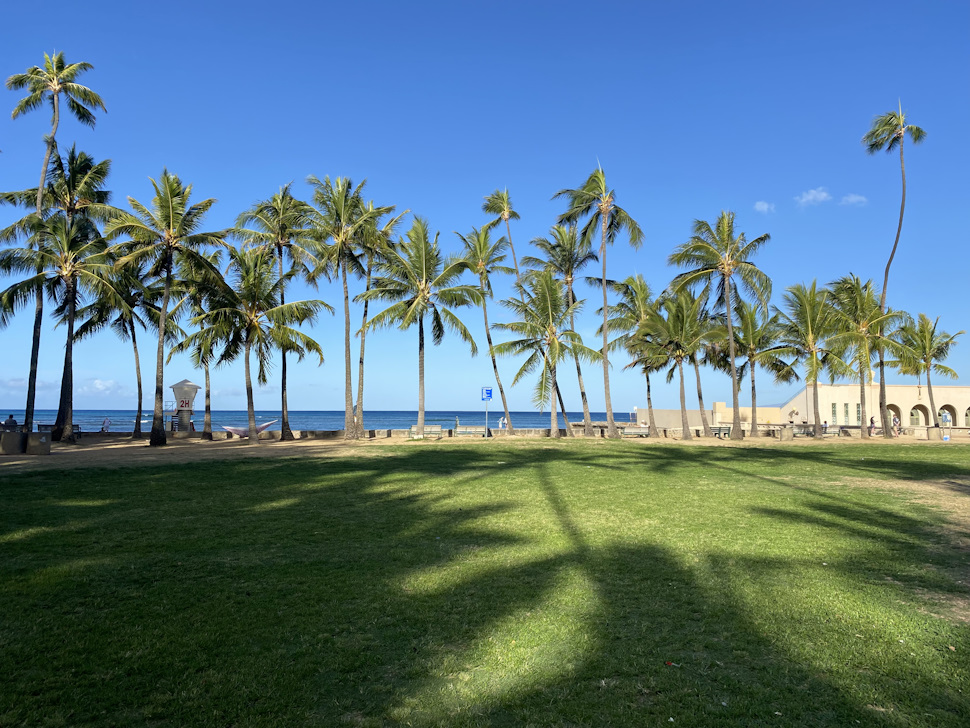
(136, 430)
(929, 391)
(587, 421)
(554, 420)
(349, 426)
(736, 433)
(39, 290)
(515, 262)
(285, 432)
(652, 422)
(64, 424)
(157, 437)
(883, 410)
(421, 377)
(754, 403)
(359, 406)
(611, 430)
(565, 419)
(864, 424)
(509, 430)
(818, 415)
(685, 426)
(207, 424)
(250, 408)
(700, 402)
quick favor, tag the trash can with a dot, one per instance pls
(11, 443)
(39, 443)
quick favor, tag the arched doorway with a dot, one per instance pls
(966, 418)
(894, 411)
(951, 411)
(919, 415)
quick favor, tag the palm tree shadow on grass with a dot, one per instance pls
(390, 590)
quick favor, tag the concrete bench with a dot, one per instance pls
(429, 431)
(44, 427)
(721, 431)
(471, 430)
(636, 431)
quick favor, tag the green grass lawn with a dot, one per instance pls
(524, 584)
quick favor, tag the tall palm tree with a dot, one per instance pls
(280, 224)
(595, 199)
(922, 348)
(807, 321)
(247, 316)
(500, 204)
(419, 282)
(483, 258)
(889, 131)
(860, 328)
(48, 83)
(376, 240)
(716, 255)
(546, 336)
(566, 254)
(68, 259)
(340, 216)
(163, 235)
(758, 338)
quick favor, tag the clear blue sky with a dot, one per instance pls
(691, 108)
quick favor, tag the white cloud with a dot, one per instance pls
(853, 199)
(813, 197)
(764, 207)
(102, 387)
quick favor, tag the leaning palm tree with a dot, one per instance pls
(68, 259)
(922, 348)
(163, 235)
(595, 199)
(340, 216)
(889, 131)
(566, 254)
(546, 336)
(419, 281)
(715, 255)
(500, 204)
(758, 339)
(483, 258)
(280, 224)
(247, 316)
(48, 83)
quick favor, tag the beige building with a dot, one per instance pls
(841, 404)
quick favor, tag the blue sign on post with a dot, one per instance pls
(486, 394)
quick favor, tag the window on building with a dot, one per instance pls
(845, 413)
(858, 414)
(835, 414)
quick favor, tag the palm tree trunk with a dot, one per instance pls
(285, 432)
(157, 437)
(587, 421)
(651, 421)
(250, 408)
(136, 430)
(349, 426)
(754, 403)
(515, 262)
(685, 426)
(929, 391)
(864, 423)
(565, 419)
(818, 415)
(554, 420)
(359, 406)
(611, 430)
(700, 402)
(509, 430)
(39, 290)
(207, 423)
(421, 376)
(736, 433)
(64, 424)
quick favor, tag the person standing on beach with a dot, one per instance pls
(106, 425)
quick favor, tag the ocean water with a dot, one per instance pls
(123, 420)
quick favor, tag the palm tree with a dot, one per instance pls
(68, 259)
(758, 338)
(566, 254)
(807, 321)
(164, 234)
(483, 257)
(376, 241)
(860, 328)
(419, 281)
(888, 131)
(595, 199)
(47, 84)
(649, 356)
(248, 316)
(340, 216)
(716, 255)
(500, 204)
(546, 336)
(922, 347)
(281, 225)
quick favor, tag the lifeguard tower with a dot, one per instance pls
(185, 392)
